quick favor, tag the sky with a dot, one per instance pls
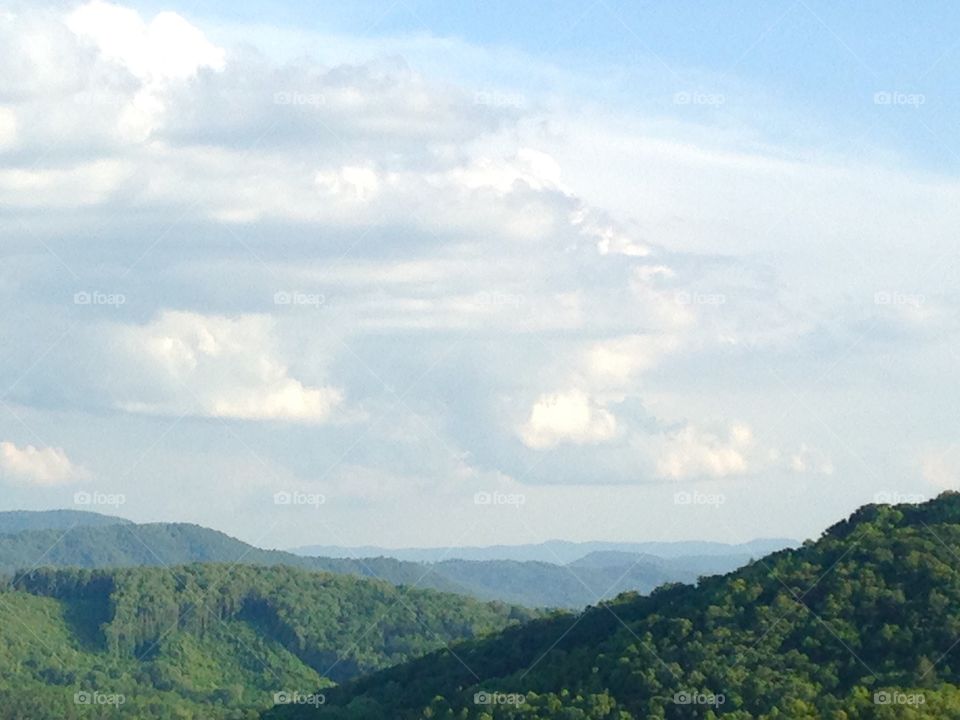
(424, 273)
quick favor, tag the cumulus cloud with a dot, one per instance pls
(349, 183)
(567, 417)
(619, 360)
(47, 466)
(692, 452)
(167, 47)
(216, 366)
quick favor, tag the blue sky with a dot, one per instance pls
(824, 61)
(627, 271)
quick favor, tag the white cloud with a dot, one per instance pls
(30, 465)
(618, 361)
(168, 47)
(567, 417)
(218, 366)
(349, 183)
(81, 185)
(692, 452)
(164, 51)
(530, 167)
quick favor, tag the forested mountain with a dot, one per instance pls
(181, 543)
(863, 623)
(209, 641)
(535, 584)
(15, 521)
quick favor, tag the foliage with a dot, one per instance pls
(210, 641)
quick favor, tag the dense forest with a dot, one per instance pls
(210, 641)
(863, 623)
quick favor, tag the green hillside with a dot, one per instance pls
(209, 641)
(863, 623)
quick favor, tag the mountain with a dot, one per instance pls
(677, 569)
(19, 520)
(127, 545)
(616, 558)
(862, 623)
(216, 642)
(554, 551)
(539, 584)
(598, 576)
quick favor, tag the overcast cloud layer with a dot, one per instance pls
(395, 298)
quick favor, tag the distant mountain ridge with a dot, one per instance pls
(554, 551)
(14, 521)
(89, 540)
(159, 544)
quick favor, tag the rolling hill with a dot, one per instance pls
(862, 623)
(598, 576)
(158, 544)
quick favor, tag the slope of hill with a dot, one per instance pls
(863, 623)
(15, 521)
(209, 641)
